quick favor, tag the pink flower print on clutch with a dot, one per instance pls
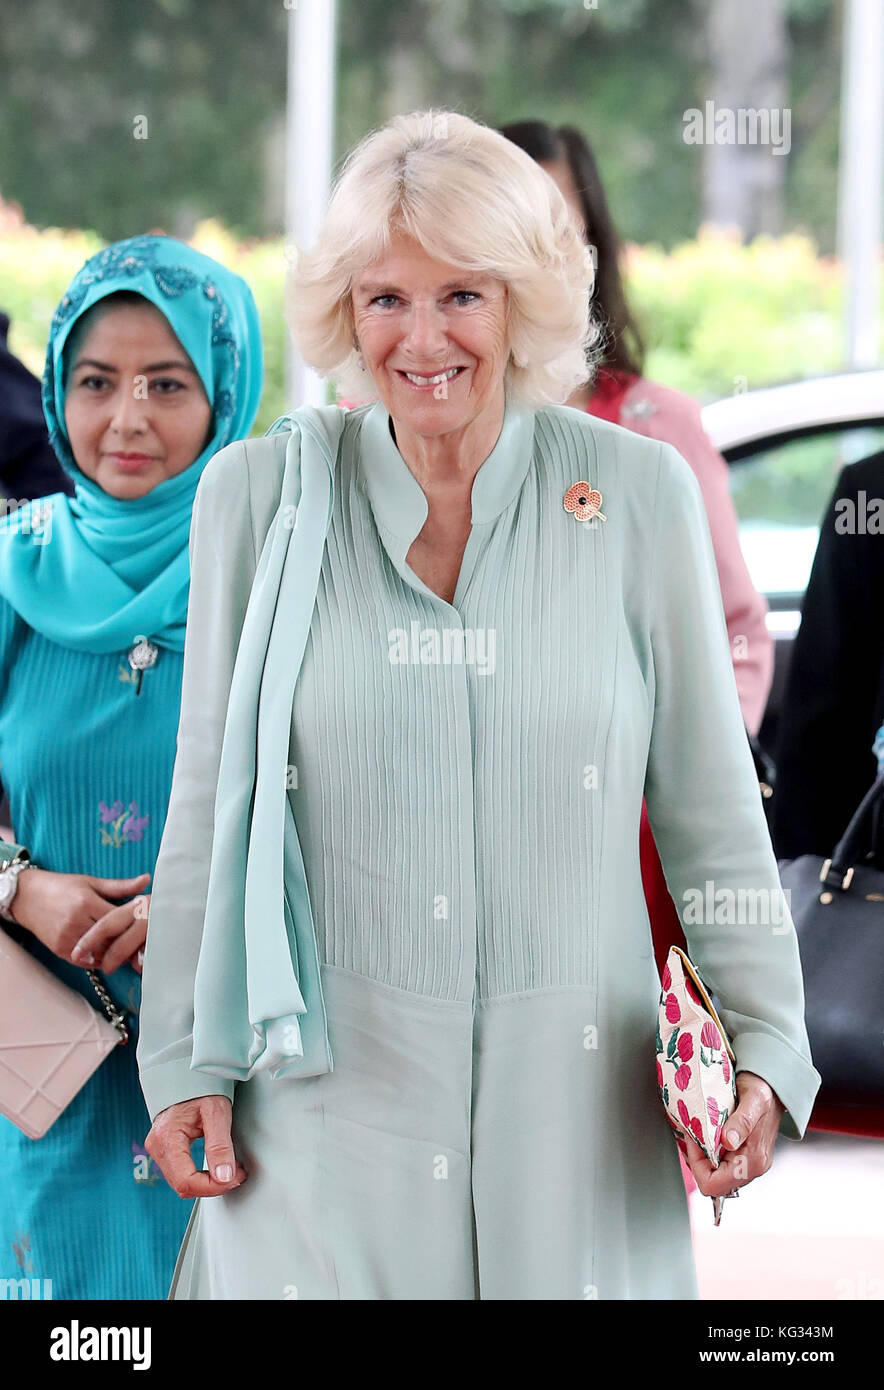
(695, 1060)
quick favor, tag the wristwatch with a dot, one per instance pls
(9, 873)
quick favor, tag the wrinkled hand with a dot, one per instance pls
(750, 1134)
(61, 909)
(173, 1132)
(116, 937)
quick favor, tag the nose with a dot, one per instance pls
(129, 407)
(426, 332)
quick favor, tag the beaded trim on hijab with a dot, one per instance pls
(131, 258)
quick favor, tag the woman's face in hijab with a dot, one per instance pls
(136, 411)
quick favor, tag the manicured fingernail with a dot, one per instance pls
(223, 1173)
(733, 1137)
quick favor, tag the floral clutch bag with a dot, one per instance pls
(695, 1061)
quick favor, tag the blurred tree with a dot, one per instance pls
(745, 172)
(125, 116)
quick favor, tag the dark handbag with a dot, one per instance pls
(837, 906)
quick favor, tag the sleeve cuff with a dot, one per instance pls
(167, 1083)
(791, 1076)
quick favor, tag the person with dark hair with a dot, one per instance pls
(28, 467)
(619, 392)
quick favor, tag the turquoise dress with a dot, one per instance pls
(86, 753)
(466, 779)
(87, 765)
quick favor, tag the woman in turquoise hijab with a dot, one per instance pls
(154, 363)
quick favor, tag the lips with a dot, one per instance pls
(131, 463)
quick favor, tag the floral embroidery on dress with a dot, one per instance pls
(21, 1249)
(125, 825)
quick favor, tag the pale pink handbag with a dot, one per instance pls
(51, 1039)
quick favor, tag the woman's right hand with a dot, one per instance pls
(175, 1129)
(60, 908)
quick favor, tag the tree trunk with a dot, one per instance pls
(748, 55)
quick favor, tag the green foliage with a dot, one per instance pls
(714, 310)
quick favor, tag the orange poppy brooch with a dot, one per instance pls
(584, 502)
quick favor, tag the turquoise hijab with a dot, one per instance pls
(94, 572)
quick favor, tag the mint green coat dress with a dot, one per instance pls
(467, 781)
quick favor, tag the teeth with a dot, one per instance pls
(432, 380)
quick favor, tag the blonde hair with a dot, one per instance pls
(471, 198)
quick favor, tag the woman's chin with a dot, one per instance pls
(127, 487)
(427, 413)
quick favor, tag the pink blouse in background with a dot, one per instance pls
(661, 413)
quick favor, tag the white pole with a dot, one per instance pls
(308, 159)
(861, 170)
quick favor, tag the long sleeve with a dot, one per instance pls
(10, 633)
(676, 420)
(705, 810)
(831, 710)
(223, 563)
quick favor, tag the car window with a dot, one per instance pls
(781, 493)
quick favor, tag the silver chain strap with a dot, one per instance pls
(115, 1015)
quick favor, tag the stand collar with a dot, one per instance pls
(397, 498)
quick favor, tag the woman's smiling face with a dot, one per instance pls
(136, 411)
(433, 338)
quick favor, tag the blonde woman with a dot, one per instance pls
(399, 970)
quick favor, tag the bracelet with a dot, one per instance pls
(9, 875)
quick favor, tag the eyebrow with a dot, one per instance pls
(155, 366)
(384, 287)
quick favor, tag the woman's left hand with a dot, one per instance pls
(116, 937)
(747, 1142)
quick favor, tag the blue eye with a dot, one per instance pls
(378, 299)
(465, 294)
